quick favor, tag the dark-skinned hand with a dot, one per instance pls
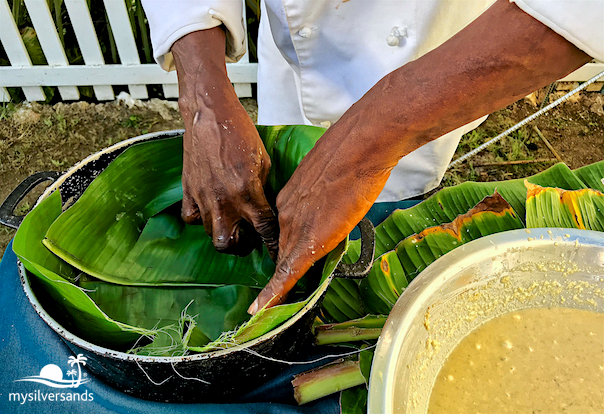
(225, 164)
(499, 58)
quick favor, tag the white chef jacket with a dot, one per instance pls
(318, 57)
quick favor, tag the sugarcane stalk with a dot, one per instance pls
(318, 383)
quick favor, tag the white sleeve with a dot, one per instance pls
(581, 22)
(169, 20)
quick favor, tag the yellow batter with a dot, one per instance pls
(530, 361)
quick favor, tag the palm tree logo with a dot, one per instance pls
(80, 359)
(72, 374)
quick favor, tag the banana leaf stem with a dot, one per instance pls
(366, 328)
(340, 375)
(335, 336)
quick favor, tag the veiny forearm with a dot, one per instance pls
(500, 57)
(201, 70)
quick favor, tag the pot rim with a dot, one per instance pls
(88, 346)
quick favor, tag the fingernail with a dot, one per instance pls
(253, 308)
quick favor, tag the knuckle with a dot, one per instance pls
(184, 103)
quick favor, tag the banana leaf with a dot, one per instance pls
(343, 301)
(268, 319)
(354, 400)
(286, 146)
(71, 306)
(554, 207)
(391, 273)
(114, 232)
(592, 175)
(222, 309)
(450, 202)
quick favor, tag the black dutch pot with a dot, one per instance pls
(227, 373)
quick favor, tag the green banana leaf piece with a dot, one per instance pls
(71, 306)
(592, 175)
(450, 202)
(114, 232)
(287, 145)
(554, 207)
(268, 319)
(213, 310)
(343, 300)
(354, 400)
(389, 276)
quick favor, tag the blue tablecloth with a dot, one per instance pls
(27, 345)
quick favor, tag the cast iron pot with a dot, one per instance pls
(227, 373)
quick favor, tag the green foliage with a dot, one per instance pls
(131, 122)
(6, 110)
(409, 240)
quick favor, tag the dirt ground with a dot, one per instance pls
(36, 137)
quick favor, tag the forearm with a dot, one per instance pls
(201, 69)
(499, 58)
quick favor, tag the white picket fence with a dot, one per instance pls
(21, 73)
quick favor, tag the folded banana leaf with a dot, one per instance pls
(391, 273)
(71, 305)
(555, 207)
(450, 202)
(114, 232)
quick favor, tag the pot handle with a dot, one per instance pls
(361, 268)
(7, 208)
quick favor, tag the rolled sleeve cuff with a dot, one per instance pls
(578, 21)
(170, 20)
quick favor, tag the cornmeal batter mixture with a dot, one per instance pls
(530, 361)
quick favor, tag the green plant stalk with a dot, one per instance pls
(59, 21)
(361, 329)
(140, 14)
(340, 375)
(17, 15)
(337, 336)
(369, 321)
(112, 45)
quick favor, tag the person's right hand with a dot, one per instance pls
(225, 164)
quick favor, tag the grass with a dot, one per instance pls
(522, 144)
(6, 110)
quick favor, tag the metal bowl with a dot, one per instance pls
(474, 283)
